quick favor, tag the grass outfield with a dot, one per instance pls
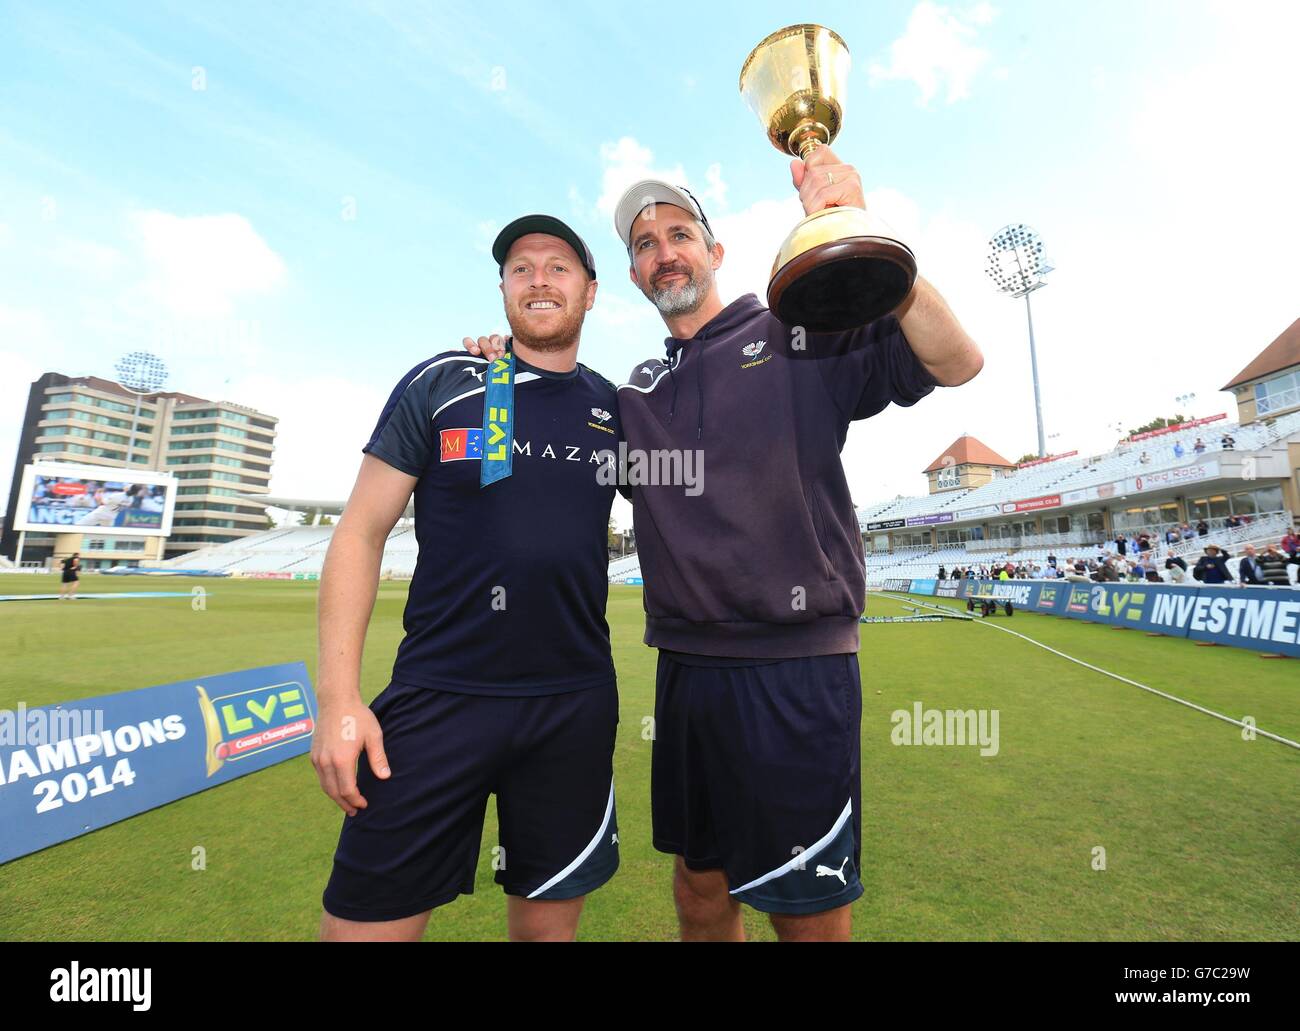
(1199, 827)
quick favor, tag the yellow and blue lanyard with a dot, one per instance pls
(498, 421)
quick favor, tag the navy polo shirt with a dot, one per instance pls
(510, 586)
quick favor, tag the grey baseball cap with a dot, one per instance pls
(637, 197)
(549, 225)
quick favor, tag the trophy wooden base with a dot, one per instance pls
(842, 284)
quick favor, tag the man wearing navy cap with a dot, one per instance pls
(504, 683)
(754, 587)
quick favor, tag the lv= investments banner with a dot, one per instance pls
(69, 769)
(1260, 618)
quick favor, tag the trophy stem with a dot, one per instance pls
(807, 137)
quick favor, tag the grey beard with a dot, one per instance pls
(681, 300)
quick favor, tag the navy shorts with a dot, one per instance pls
(756, 771)
(547, 758)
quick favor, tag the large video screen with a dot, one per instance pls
(60, 498)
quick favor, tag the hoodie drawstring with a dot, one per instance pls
(699, 393)
(674, 349)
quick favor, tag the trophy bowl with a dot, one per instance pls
(840, 268)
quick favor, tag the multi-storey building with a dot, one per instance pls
(220, 453)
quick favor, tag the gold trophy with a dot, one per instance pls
(839, 268)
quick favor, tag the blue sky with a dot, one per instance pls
(292, 204)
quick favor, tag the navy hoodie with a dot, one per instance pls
(765, 561)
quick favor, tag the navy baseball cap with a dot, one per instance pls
(541, 224)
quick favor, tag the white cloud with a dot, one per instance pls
(626, 162)
(1216, 133)
(199, 266)
(715, 192)
(324, 421)
(22, 325)
(31, 350)
(938, 51)
(93, 260)
(750, 240)
(1209, 174)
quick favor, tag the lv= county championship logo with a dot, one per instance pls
(249, 722)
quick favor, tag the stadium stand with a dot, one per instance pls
(1131, 459)
(621, 570)
(1079, 473)
(295, 550)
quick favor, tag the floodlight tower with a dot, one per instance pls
(141, 373)
(1017, 267)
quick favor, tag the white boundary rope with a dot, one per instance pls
(1107, 673)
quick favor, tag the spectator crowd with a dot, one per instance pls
(1134, 559)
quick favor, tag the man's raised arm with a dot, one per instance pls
(936, 337)
(932, 330)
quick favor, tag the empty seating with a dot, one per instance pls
(295, 549)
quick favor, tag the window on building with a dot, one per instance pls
(1214, 507)
(1278, 394)
(211, 506)
(1269, 499)
(947, 477)
(1254, 502)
